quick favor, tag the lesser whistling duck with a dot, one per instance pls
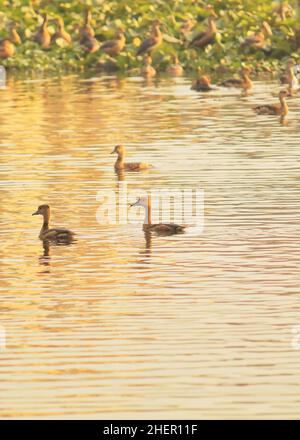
(290, 78)
(244, 82)
(175, 69)
(131, 166)
(158, 228)
(53, 234)
(87, 30)
(280, 109)
(43, 37)
(148, 71)
(7, 49)
(61, 32)
(284, 10)
(258, 40)
(186, 26)
(13, 34)
(202, 82)
(153, 41)
(115, 46)
(208, 37)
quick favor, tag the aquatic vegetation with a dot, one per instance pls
(236, 23)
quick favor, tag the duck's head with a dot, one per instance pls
(59, 22)
(119, 149)
(141, 201)
(42, 210)
(283, 93)
(266, 28)
(245, 70)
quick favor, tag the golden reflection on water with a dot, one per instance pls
(122, 324)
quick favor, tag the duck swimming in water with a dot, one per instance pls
(244, 82)
(280, 109)
(175, 69)
(58, 235)
(7, 49)
(148, 71)
(130, 166)
(158, 228)
(202, 82)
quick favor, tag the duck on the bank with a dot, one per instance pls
(258, 40)
(14, 35)
(53, 234)
(43, 37)
(7, 49)
(175, 69)
(153, 41)
(114, 47)
(158, 228)
(207, 37)
(129, 166)
(87, 31)
(186, 27)
(148, 71)
(284, 10)
(60, 32)
(244, 82)
(202, 83)
(280, 109)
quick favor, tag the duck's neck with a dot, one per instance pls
(120, 160)
(247, 80)
(45, 22)
(284, 107)
(156, 32)
(45, 225)
(148, 213)
(212, 26)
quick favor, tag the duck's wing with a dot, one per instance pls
(146, 45)
(58, 234)
(136, 166)
(165, 228)
(267, 109)
(232, 82)
(109, 44)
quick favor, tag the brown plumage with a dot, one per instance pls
(87, 30)
(131, 166)
(148, 71)
(7, 49)
(153, 41)
(258, 40)
(115, 46)
(175, 69)
(280, 109)
(186, 26)
(58, 235)
(208, 37)
(202, 82)
(244, 82)
(43, 37)
(284, 10)
(61, 32)
(158, 228)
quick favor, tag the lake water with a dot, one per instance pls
(119, 325)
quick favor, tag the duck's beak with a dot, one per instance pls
(36, 213)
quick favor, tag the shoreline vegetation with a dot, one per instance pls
(128, 24)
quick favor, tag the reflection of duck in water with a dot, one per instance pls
(58, 235)
(130, 166)
(158, 228)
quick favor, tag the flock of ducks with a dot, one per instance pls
(202, 83)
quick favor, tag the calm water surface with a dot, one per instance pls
(118, 326)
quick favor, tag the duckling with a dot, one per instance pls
(61, 32)
(55, 234)
(114, 47)
(244, 82)
(175, 69)
(131, 166)
(208, 37)
(258, 40)
(158, 228)
(14, 36)
(153, 41)
(202, 82)
(280, 109)
(148, 71)
(43, 37)
(7, 49)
